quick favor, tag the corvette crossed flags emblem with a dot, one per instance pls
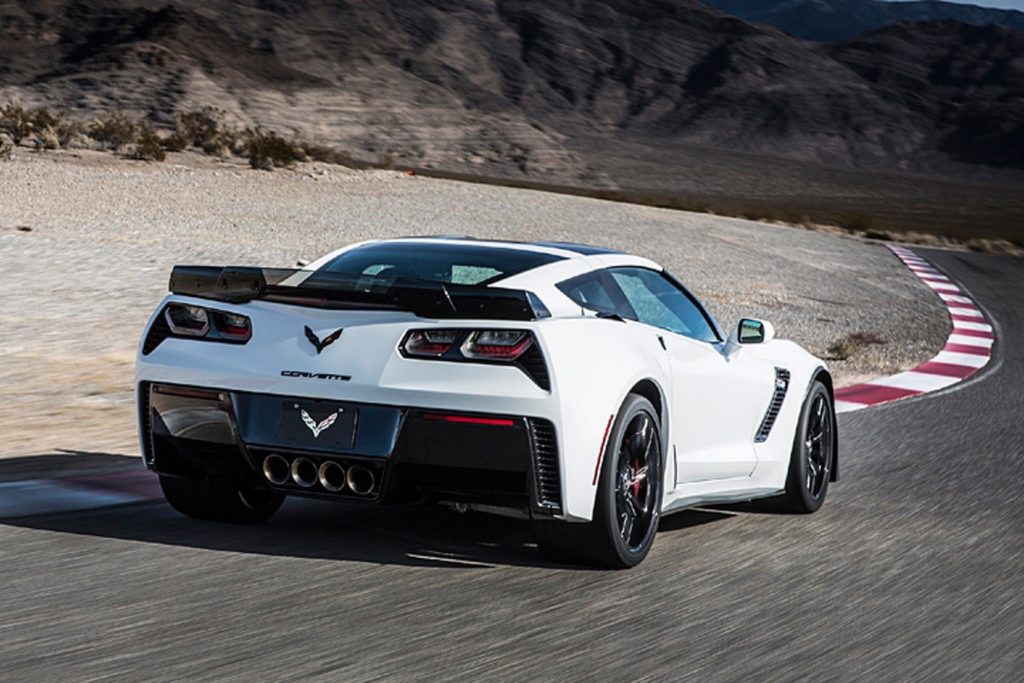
(324, 424)
(321, 344)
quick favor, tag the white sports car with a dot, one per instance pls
(584, 388)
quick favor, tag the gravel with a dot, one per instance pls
(103, 233)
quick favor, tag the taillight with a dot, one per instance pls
(505, 345)
(187, 321)
(514, 347)
(430, 343)
(232, 326)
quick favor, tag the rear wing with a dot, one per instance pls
(342, 290)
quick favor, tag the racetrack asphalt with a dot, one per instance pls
(913, 570)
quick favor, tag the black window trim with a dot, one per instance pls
(625, 310)
(708, 318)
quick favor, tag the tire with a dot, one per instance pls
(221, 499)
(610, 540)
(813, 456)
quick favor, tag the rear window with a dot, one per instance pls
(460, 264)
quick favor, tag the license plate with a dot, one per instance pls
(317, 424)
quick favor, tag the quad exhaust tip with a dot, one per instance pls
(331, 476)
(304, 472)
(275, 469)
(360, 479)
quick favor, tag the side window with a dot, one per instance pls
(657, 301)
(589, 291)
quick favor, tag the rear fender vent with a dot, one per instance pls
(146, 424)
(546, 472)
(532, 363)
(778, 395)
(158, 331)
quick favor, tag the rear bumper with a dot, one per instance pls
(413, 453)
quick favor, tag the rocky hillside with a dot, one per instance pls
(831, 20)
(503, 86)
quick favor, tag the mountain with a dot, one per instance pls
(832, 20)
(513, 86)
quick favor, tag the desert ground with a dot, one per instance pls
(87, 241)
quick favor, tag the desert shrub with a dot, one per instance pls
(147, 146)
(852, 344)
(200, 128)
(205, 130)
(6, 149)
(114, 131)
(174, 142)
(16, 121)
(268, 150)
(67, 131)
(46, 138)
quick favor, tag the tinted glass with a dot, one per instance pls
(589, 291)
(463, 264)
(657, 301)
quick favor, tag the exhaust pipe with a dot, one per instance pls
(275, 469)
(304, 472)
(331, 476)
(360, 479)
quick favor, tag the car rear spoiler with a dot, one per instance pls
(339, 290)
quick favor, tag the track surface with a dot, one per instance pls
(912, 570)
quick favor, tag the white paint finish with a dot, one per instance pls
(593, 364)
(942, 286)
(955, 298)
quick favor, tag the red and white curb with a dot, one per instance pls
(47, 496)
(967, 350)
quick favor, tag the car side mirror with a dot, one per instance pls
(753, 331)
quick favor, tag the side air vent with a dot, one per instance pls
(146, 423)
(547, 476)
(157, 333)
(781, 386)
(532, 363)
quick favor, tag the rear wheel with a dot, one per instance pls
(628, 502)
(222, 499)
(813, 456)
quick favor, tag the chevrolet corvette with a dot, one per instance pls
(582, 388)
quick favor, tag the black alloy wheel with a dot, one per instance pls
(627, 505)
(813, 457)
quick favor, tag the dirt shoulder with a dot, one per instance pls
(87, 242)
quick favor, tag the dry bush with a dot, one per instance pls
(6, 149)
(46, 138)
(852, 344)
(148, 146)
(16, 122)
(205, 130)
(174, 142)
(268, 150)
(114, 131)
